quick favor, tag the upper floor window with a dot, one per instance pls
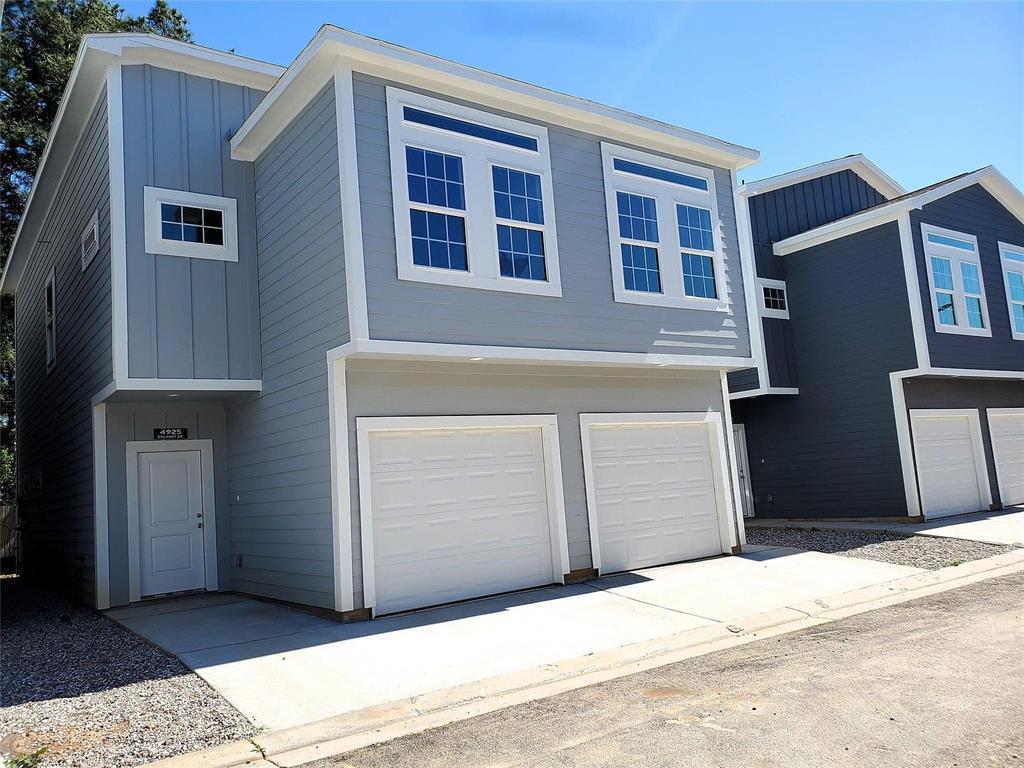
(50, 320)
(663, 227)
(774, 302)
(89, 242)
(182, 223)
(472, 197)
(1012, 258)
(955, 282)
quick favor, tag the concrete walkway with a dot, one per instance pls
(282, 668)
(1002, 527)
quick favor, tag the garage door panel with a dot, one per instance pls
(649, 439)
(412, 450)
(1007, 431)
(948, 466)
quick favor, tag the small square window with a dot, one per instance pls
(182, 223)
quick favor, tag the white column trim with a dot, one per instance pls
(341, 489)
(731, 468)
(101, 530)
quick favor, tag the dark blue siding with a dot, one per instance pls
(974, 211)
(832, 450)
(743, 381)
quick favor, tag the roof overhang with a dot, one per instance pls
(332, 46)
(990, 178)
(88, 77)
(859, 164)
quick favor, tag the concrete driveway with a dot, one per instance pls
(282, 667)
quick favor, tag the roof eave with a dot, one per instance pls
(858, 163)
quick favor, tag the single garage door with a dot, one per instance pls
(1006, 426)
(653, 488)
(456, 513)
(950, 461)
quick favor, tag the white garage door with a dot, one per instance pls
(1006, 425)
(456, 513)
(950, 462)
(653, 490)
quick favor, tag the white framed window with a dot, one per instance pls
(774, 301)
(89, 243)
(663, 228)
(50, 320)
(1012, 259)
(189, 224)
(955, 282)
(472, 195)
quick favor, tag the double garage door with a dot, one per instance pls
(462, 507)
(952, 469)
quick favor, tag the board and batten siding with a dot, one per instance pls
(832, 450)
(188, 317)
(405, 388)
(586, 315)
(279, 472)
(54, 407)
(975, 212)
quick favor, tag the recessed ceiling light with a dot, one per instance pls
(173, 394)
(476, 359)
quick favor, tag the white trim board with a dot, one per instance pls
(101, 512)
(132, 450)
(763, 391)
(748, 271)
(729, 532)
(547, 423)
(858, 163)
(348, 176)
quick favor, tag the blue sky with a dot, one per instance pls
(926, 90)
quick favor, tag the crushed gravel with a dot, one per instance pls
(929, 552)
(94, 693)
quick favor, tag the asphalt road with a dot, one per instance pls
(935, 682)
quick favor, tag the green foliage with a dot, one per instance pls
(29, 760)
(39, 40)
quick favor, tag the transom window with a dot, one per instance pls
(180, 223)
(1012, 258)
(472, 193)
(955, 281)
(663, 226)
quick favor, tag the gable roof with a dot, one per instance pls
(988, 177)
(859, 164)
(86, 83)
(333, 47)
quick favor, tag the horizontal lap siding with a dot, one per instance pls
(744, 380)
(585, 316)
(279, 443)
(436, 389)
(973, 211)
(188, 317)
(54, 409)
(832, 450)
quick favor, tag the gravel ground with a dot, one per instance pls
(94, 693)
(928, 552)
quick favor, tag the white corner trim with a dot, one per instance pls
(903, 437)
(913, 291)
(764, 282)
(1011, 265)
(732, 467)
(955, 256)
(547, 423)
(351, 210)
(101, 531)
(341, 488)
(748, 268)
(118, 235)
(724, 488)
(858, 163)
(156, 243)
(973, 416)
(132, 450)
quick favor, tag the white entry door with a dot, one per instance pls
(1006, 426)
(172, 555)
(454, 513)
(950, 461)
(653, 489)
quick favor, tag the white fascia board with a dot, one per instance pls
(377, 57)
(761, 391)
(413, 350)
(88, 75)
(859, 164)
(989, 177)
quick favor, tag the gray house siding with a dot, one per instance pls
(136, 421)
(976, 212)
(188, 317)
(968, 393)
(832, 450)
(743, 380)
(54, 408)
(279, 473)
(585, 316)
(378, 388)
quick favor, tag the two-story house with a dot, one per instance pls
(890, 353)
(373, 332)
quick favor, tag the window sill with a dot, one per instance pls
(417, 274)
(778, 314)
(957, 331)
(676, 302)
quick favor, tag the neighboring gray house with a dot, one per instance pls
(890, 354)
(378, 331)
